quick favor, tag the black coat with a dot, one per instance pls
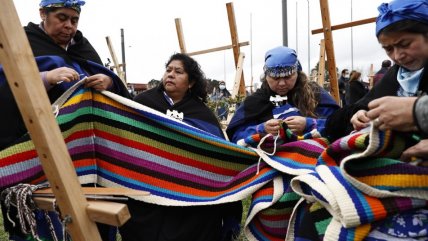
(339, 125)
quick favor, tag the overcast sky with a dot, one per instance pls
(151, 36)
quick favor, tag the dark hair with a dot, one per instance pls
(410, 26)
(344, 70)
(386, 63)
(355, 76)
(195, 73)
(305, 94)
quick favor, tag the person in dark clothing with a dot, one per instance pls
(63, 56)
(408, 77)
(356, 88)
(344, 86)
(386, 64)
(220, 96)
(402, 30)
(182, 91)
(285, 95)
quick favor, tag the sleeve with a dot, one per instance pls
(421, 113)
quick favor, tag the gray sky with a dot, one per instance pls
(151, 37)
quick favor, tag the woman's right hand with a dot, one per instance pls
(62, 74)
(272, 126)
(360, 120)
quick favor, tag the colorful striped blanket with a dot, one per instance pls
(116, 142)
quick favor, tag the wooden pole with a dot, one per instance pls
(116, 65)
(235, 44)
(321, 64)
(180, 35)
(328, 38)
(26, 85)
(346, 25)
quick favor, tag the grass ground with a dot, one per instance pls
(246, 203)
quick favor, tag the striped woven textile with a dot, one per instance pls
(359, 180)
(116, 142)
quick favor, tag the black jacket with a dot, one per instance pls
(339, 125)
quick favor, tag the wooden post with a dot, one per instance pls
(235, 44)
(180, 35)
(26, 85)
(347, 25)
(328, 38)
(116, 64)
(371, 77)
(321, 64)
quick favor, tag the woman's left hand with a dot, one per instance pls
(98, 82)
(296, 124)
(419, 150)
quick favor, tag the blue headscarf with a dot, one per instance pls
(74, 4)
(280, 62)
(398, 10)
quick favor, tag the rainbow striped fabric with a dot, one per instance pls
(116, 142)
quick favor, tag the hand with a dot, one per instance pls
(394, 113)
(419, 150)
(360, 120)
(98, 82)
(296, 124)
(272, 126)
(62, 74)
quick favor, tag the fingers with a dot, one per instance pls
(62, 74)
(98, 82)
(272, 126)
(359, 120)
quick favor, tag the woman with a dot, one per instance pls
(356, 88)
(182, 93)
(63, 56)
(285, 95)
(402, 30)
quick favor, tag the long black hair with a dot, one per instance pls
(196, 75)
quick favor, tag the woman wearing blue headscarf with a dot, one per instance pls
(285, 95)
(63, 56)
(402, 31)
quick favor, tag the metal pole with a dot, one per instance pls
(297, 38)
(122, 36)
(309, 44)
(284, 23)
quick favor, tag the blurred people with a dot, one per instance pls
(356, 88)
(343, 85)
(386, 64)
(182, 90)
(220, 96)
(285, 95)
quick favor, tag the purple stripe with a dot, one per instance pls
(166, 170)
(20, 176)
